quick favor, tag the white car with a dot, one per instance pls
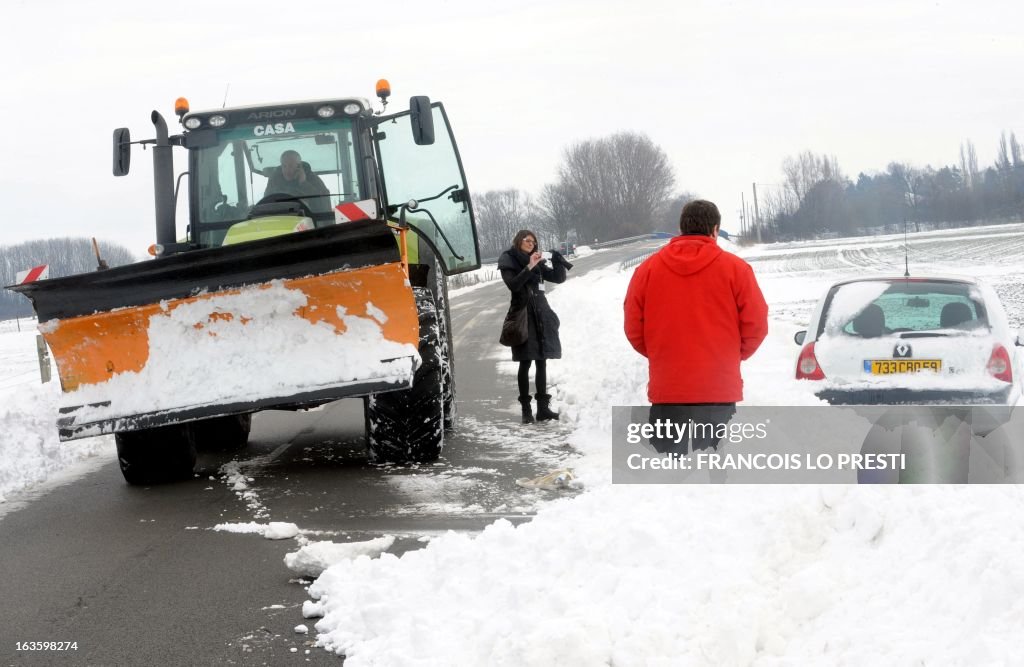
(893, 341)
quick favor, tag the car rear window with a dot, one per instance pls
(868, 309)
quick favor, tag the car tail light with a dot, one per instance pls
(999, 364)
(807, 367)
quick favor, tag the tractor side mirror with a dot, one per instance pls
(422, 117)
(799, 337)
(122, 151)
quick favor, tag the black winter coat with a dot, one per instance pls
(543, 341)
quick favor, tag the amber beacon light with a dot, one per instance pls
(181, 106)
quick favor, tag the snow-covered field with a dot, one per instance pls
(637, 575)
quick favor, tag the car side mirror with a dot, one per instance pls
(799, 337)
(122, 151)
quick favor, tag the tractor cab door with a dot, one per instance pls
(432, 175)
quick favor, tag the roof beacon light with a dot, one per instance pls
(383, 92)
(181, 106)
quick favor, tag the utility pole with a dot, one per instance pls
(743, 215)
(757, 215)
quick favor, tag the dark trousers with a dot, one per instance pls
(541, 379)
(704, 424)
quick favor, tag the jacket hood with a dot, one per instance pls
(689, 254)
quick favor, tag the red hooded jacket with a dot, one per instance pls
(695, 312)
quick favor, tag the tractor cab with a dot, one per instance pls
(262, 171)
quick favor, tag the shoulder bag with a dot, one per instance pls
(514, 328)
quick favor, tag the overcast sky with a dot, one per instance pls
(727, 89)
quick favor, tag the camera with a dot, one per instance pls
(546, 255)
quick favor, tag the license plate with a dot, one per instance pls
(895, 366)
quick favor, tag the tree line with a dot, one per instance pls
(66, 257)
(607, 188)
(815, 198)
(623, 185)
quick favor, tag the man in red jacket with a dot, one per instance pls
(695, 312)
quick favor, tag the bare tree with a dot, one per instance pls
(672, 209)
(969, 164)
(804, 171)
(1003, 154)
(502, 213)
(610, 188)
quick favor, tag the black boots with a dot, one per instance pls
(527, 410)
(544, 412)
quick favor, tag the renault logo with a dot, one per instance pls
(902, 351)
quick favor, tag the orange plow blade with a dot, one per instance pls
(322, 316)
(287, 342)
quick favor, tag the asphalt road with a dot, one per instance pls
(139, 576)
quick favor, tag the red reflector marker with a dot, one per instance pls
(40, 272)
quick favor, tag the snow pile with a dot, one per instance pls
(703, 576)
(275, 530)
(30, 450)
(312, 559)
(29, 446)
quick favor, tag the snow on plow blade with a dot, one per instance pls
(290, 321)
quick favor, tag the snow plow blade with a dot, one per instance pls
(291, 321)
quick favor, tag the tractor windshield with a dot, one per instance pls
(313, 161)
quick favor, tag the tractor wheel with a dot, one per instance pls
(222, 434)
(407, 426)
(163, 454)
(444, 322)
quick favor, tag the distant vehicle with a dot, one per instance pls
(568, 246)
(891, 341)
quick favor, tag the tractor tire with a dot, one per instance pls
(155, 455)
(222, 434)
(407, 426)
(444, 322)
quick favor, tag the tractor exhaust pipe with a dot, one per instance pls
(163, 183)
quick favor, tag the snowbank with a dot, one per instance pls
(30, 450)
(701, 575)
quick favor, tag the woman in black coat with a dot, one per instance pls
(524, 271)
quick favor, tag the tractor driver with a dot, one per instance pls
(295, 177)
